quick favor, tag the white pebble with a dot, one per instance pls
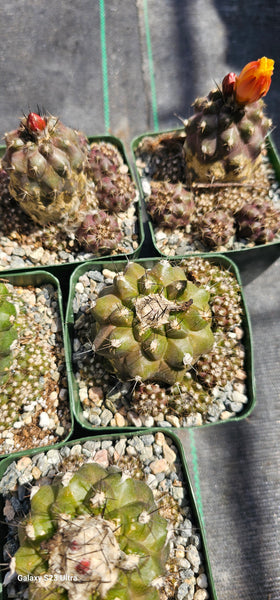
(44, 420)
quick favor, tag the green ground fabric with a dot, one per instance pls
(130, 66)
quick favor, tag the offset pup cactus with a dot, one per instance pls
(8, 332)
(152, 324)
(225, 136)
(97, 536)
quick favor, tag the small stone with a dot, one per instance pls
(120, 420)
(201, 595)
(173, 420)
(134, 419)
(159, 466)
(101, 457)
(36, 473)
(24, 463)
(168, 454)
(44, 420)
(239, 398)
(226, 414)
(202, 581)
(160, 438)
(120, 447)
(192, 555)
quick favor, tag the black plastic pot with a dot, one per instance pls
(118, 266)
(250, 261)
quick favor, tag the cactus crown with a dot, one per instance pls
(224, 139)
(8, 332)
(45, 161)
(152, 324)
(96, 536)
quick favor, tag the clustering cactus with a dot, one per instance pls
(8, 331)
(113, 186)
(170, 204)
(152, 324)
(99, 233)
(45, 161)
(96, 536)
(258, 222)
(225, 136)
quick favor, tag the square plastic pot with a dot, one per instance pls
(37, 278)
(250, 261)
(65, 269)
(118, 266)
(94, 449)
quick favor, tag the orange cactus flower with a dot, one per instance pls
(254, 80)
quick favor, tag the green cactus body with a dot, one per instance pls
(46, 169)
(8, 332)
(224, 139)
(152, 324)
(98, 535)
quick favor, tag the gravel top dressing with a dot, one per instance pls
(160, 159)
(152, 458)
(214, 389)
(34, 396)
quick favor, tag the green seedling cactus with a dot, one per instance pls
(45, 161)
(152, 325)
(8, 332)
(226, 135)
(96, 536)
(170, 205)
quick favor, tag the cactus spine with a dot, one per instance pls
(152, 324)
(97, 536)
(8, 332)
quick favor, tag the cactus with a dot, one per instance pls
(99, 233)
(226, 134)
(45, 161)
(215, 228)
(152, 325)
(258, 222)
(170, 205)
(96, 536)
(8, 332)
(113, 186)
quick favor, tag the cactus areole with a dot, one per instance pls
(152, 324)
(226, 134)
(97, 535)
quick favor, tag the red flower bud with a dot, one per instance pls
(35, 123)
(254, 80)
(228, 84)
(83, 567)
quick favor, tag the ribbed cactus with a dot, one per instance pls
(45, 161)
(170, 205)
(215, 228)
(96, 536)
(8, 332)
(113, 187)
(258, 222)
(225, 136)
(152, 324)
(99, 233)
